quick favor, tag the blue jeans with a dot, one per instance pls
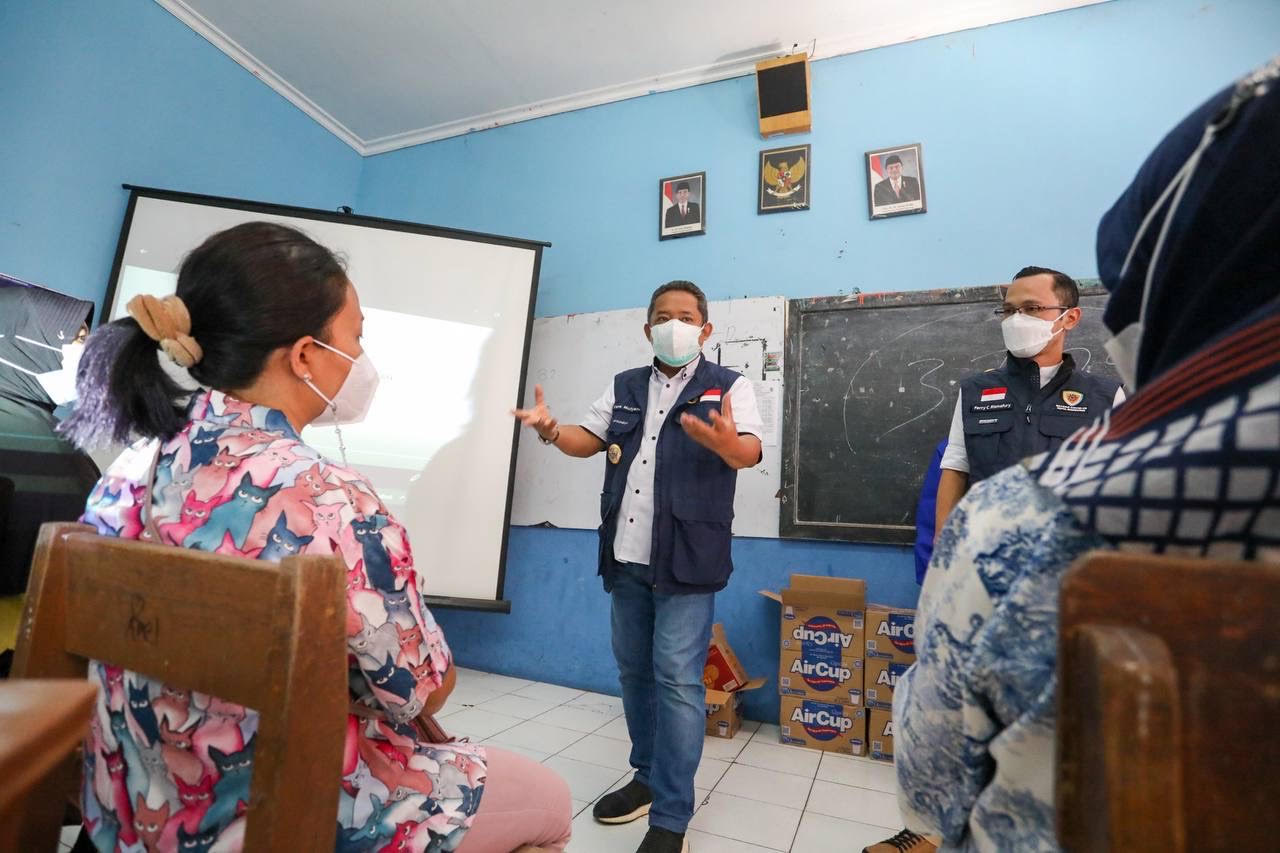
(660, 643)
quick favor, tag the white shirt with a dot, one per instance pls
(634, 539)
(957, 459)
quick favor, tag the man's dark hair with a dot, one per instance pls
(1064, 286)
(683, 185)
(893, 158)
(687, 287)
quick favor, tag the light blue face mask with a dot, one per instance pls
(675, 342)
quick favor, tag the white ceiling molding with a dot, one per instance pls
(888, 30)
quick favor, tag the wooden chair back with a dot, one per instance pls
(269, 636)
(1168, 704)
(41, 723)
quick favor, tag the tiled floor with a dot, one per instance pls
(753, 793)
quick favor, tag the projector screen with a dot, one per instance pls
(447, 324)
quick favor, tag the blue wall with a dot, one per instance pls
(96, 94)
(1030, 130)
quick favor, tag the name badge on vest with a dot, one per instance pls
(615, 454)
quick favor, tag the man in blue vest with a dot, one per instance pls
(1032, 402)
(673, 451)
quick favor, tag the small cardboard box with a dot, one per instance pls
(722, 670)
(724, 709)
(828, 726)
(819, 675)
(882, 676)
(822, 611)
(880, 734)
(891, 633)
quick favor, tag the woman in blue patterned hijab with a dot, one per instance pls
(1190, 465)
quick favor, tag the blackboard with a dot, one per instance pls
(871, 384)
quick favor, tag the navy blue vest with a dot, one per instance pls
(1003, 427)
(693, 487)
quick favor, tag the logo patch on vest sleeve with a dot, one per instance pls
(1072, 398)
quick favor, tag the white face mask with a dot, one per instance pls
(60, 384)
(351, 404)
(675, 342)
(1026, 336)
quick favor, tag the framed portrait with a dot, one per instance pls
(895, 181)
(784, 179)
(682, 206)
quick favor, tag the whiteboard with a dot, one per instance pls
(445, 320)
(575, 357)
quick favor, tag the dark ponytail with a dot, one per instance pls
(250, 290)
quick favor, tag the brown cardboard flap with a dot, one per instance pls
(770, 594)
(721, 697)
(818, 589)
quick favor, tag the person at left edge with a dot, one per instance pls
(675, 432)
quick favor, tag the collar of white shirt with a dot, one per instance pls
(686, 372)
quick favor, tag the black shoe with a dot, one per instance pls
(659, 840)
(625, 804)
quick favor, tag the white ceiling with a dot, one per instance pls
(386, 74)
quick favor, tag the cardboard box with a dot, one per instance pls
(880, 734)
(724, 709)
(722, 670)
(891, 633)
(821, 611)
(819, 674)
(828, 726)
(882, 676)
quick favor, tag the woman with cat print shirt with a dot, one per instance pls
(267, 323)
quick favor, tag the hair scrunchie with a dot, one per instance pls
(167, 322)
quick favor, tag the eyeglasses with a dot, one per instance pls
(1030, 310)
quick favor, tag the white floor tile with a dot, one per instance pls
(586, 781)
(705, 842)
(534, 754)
(477, 722)
(767, 786)
(710, 771)
(604, 751)
(580, 719)
(550, 692)
(746, 820)
(616, 730)
(767, 733)
(726, 749)
(540, 736)
(859, 772)
(515, 705)
(465, 695)
(820, 833)
(856, 804)
(784, 759)
(497, 683)
(610, 706)
(592, 837)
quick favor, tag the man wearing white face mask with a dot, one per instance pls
(1032, 402)
(676, 432)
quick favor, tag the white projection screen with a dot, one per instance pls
(447, 324)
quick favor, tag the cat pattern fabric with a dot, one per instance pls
(169, 769)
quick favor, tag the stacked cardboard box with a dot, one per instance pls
(725, 681)
(820, 674)
(891, 649)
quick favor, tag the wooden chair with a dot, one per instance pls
(41, 724)
(1168, 705)
(270, 636)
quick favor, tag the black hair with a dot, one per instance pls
(683, 185)
(687, 287)
(1064, 286)
(250, 290)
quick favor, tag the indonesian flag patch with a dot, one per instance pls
(992, 395)
(711, 395)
